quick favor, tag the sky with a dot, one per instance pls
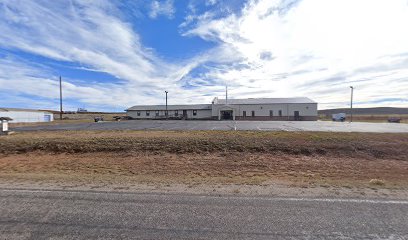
(113, 54)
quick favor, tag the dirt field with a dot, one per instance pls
(88, 116)
(72, 118)
(295, 158)
(369, 118)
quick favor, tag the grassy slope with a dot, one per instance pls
(236, 157)
(299, 143)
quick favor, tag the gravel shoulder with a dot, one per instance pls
(271, 189)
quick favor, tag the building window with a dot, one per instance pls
(157, 113)
(270, 113)
(280, 113)
(253, 113)
(138, 113)
(244, 113)
(176, 113)
(194, 112)
(147, 113)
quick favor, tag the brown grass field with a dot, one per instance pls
(369, 118)
(88, 116)
(72, 118)
(323, 159)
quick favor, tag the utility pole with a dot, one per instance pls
(351, 104)
(167, 113)
(226, 94)
(60, 85)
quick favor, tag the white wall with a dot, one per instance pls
(20, 116)
(201, 114)
(262, 110)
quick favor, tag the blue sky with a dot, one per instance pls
(115, 54)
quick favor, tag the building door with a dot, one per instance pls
(226, 115)
(47, 118)
(184, 114)
(297, 115)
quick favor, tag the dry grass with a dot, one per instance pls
(199, 142)
(377, 182)
(369, 118)
(72, 118)
(207, 156)
(55, 122)
(89, 116)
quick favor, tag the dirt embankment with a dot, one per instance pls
(217, 157)
(391, 146)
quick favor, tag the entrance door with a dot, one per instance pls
(47, 118)
(297, 115)
(226, 115)
(184, 114)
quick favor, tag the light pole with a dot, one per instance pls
(166, 113)
(60, 86)
(351, 104)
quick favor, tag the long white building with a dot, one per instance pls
(26, 115)
(280, 109)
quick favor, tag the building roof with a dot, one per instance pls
(264, 100)
(170, 107)
(20, 110)
(5, 119)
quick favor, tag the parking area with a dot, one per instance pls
(226, 125)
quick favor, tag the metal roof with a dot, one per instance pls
(5, 119)
(265, 100)
(20, 110)
(170, 107)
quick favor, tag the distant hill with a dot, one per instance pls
(366, 111)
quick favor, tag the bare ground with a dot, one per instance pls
(72, 118)
(370, 118)
(303, 160)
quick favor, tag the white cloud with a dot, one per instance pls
(93, 35)
(271, 48)
(36, 80)
(165, 8)
(287, 47)
(210, 2)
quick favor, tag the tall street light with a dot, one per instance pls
(60, 88)
(166, 113)
(351, 104)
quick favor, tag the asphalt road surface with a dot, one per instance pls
(40, 214)
(226, 125)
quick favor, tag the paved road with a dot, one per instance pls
(37, 214)
(227, 125)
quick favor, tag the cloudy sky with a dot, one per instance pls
(114, 54)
